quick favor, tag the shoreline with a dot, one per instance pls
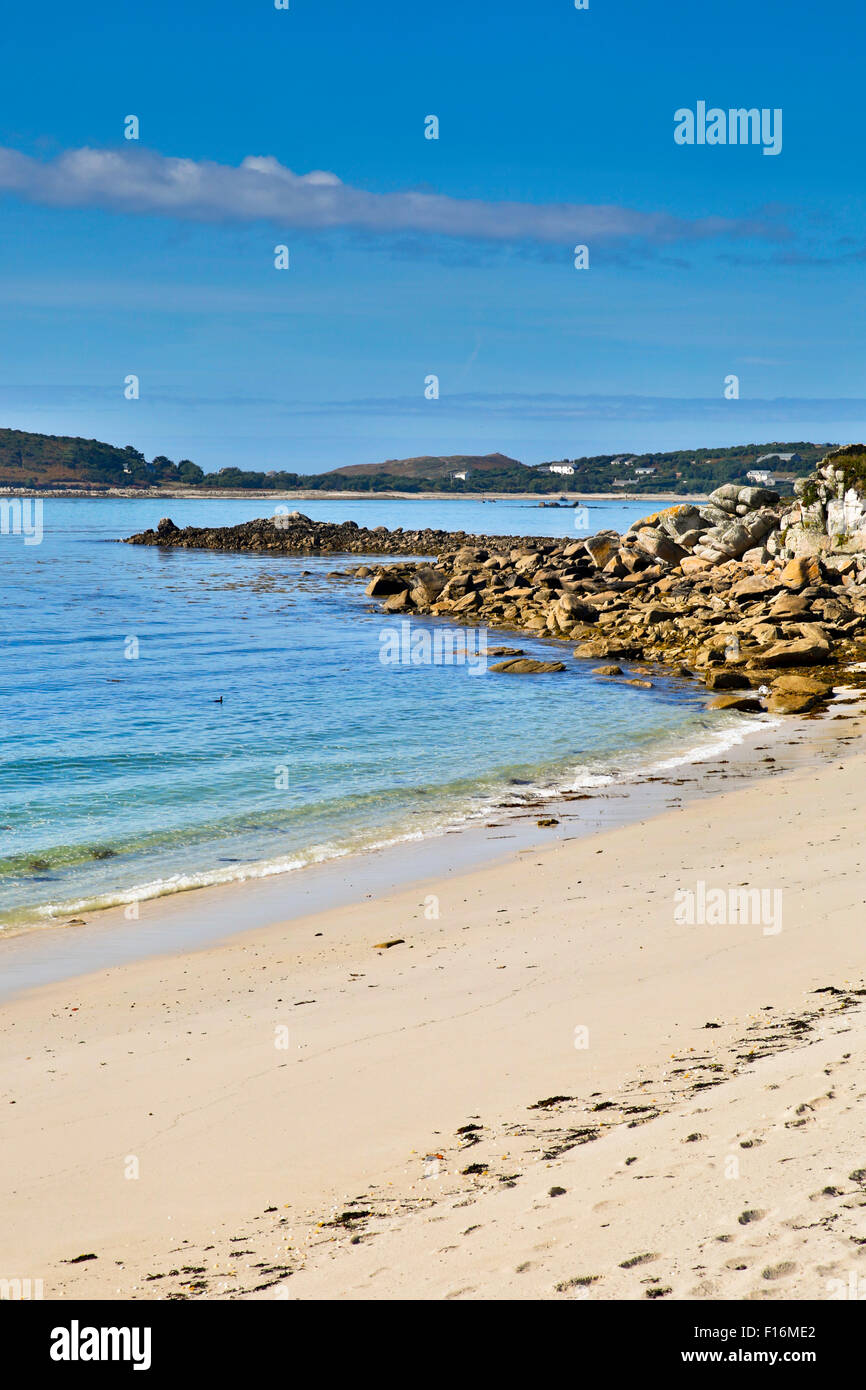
(54, 950)
(314, 495)
(172, 1061)
(238, 1096)
(541, 794)
(560, 626)
(303, 881)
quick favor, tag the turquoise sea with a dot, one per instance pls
(123, 778)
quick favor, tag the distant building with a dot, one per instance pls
(643, 472)
(565, 468)
(761, 476)
(460, 477)
(783, 458)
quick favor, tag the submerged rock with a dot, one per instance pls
(525, 666)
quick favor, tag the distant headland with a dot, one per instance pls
(68, 465)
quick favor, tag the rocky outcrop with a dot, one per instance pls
(733, 522)
(711, 592)
(828, 518)
(760, 633)
(293, 533)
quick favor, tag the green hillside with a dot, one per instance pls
(51, 460)
(36, 461)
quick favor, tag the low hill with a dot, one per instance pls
(34, 461)
(30, 460)
(37, 460)
(432, 466)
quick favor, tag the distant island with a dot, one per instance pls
(37, 462)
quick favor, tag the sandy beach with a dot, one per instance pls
(535, 1079)
(432, 681)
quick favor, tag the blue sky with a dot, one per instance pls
(412, 257)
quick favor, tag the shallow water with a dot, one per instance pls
(122, 778)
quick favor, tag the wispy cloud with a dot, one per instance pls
(549, 407)
(574, 409)
(261, 189)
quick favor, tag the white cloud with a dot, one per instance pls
(261, 189)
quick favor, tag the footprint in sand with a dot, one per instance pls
(745, 1218)
(780, 1271)
(582, 1281)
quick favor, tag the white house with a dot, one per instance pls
(459, 477)
(564, 468)
(761, 476)
(643, 472)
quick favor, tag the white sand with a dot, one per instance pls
(172, 1063)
